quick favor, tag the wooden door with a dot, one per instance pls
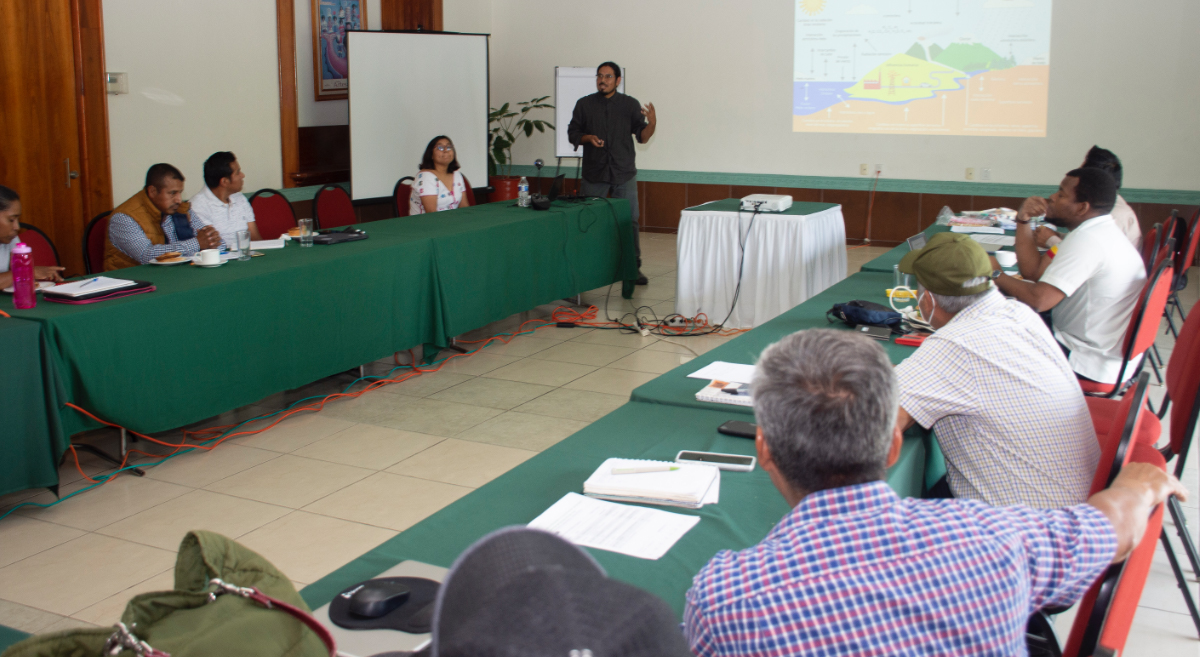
(411, 15)
(40, 132)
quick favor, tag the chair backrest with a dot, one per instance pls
(1143, 323)
(1106, 611)
(44, 253)
(470, 191)
(1126, 427)
(1150, 246)
(273, 213)
(332, 208)
(94, 237)
(1183, 386)
(1186, 254)
(400, 195)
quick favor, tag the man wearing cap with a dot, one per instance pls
(853, 569)
(1008, 413)
(1091, 282)
(521, 591)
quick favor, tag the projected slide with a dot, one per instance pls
(929, 67)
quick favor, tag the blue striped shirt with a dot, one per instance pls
(129, 237)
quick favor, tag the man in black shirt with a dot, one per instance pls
(604, 124)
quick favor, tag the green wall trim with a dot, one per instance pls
(956, 188)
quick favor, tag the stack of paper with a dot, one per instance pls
(686, 485)
(632, 530)
(732, 372)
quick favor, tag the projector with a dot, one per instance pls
(766, 202)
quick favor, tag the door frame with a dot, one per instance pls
(91, 106)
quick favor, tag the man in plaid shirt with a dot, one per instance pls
(855, 570)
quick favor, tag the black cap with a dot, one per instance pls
(525, 592)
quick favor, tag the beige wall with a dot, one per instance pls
(719, 73)
(199, 82)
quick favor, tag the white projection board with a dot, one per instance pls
(407, 88)
(954, 67)
(570, 84)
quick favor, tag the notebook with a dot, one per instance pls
(715, 392)
(997, 240)
(90, 286)
(689, 485)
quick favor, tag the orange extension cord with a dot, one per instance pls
(211, 437)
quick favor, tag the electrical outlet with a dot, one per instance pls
(985, 174)
(879, 169)
(864, 169)
(970, 173)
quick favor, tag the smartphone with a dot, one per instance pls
(735, 462)
(739, 429)
(877, 332)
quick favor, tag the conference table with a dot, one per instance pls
(661, 419)
(780, 259)
(32, 431)
(211, 340)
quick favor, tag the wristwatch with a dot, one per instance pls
(996, 273)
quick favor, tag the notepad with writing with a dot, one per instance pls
(715, 392)
(689, 485)
(90, 286)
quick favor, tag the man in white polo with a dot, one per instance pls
(221, 204)
(995, 387)
(1090, 282)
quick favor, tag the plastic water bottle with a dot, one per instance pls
(24, 285)
(523, 192)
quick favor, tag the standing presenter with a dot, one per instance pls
(603, 123)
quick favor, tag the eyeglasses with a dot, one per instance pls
(605, 76)
(444, 149)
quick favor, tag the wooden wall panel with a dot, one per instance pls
(697, 194)
(289, 118)
(93, 108)
(411, 14)
(895, 216)
(803, 194)
(854, 211)
(988, 202)
(932, 204)
(741, 191)
(664, 203)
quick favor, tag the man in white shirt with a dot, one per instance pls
(1122, 214)
(1091, 283)
(221, 203)
(995, 387)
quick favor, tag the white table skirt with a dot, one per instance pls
(789, 258)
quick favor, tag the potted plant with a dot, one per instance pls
(505, 126)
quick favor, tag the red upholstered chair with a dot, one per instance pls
(400, 196)
(1107, 609)
(44, 253)
(332, 208)
(470, 191)
(1143, 326)
(1185, 255)
(1183, 402)
(273, 213)
(1124, 430)
(94, 237)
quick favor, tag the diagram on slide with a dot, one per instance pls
(929, 67)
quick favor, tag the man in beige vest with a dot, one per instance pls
(156, 221)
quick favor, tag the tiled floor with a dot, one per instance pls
(318, 490)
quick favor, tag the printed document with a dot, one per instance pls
(722, 371)
(632, 530)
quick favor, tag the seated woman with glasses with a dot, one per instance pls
(440, 185)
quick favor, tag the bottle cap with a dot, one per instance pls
(21, 247)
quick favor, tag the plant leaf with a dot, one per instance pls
(528, 129)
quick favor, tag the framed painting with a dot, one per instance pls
(331, 20)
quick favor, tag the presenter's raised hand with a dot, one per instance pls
(1033, 206)
(593, 140)
(648, 112)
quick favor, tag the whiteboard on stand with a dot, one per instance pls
(570, 84)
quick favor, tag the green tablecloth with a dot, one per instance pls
(886, 262)
(210, 340)
(9, 636)
(748, 508)
(799, 208)
(31, 435)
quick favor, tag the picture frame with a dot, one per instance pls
(330, 21)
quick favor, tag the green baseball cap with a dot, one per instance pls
(951, 264)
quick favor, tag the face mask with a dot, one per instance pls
(913, 318)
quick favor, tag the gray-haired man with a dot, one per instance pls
(854, 569)
(994, 385)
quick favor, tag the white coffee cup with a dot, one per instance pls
(209, 257)
(1006, 258)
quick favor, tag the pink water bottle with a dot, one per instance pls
(24, 284)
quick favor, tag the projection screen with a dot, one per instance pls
(405, 89)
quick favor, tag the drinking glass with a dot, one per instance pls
(306, 232)
(899, 279)
(243, 244)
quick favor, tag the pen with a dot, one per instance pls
(86, 283)
(652, 468)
